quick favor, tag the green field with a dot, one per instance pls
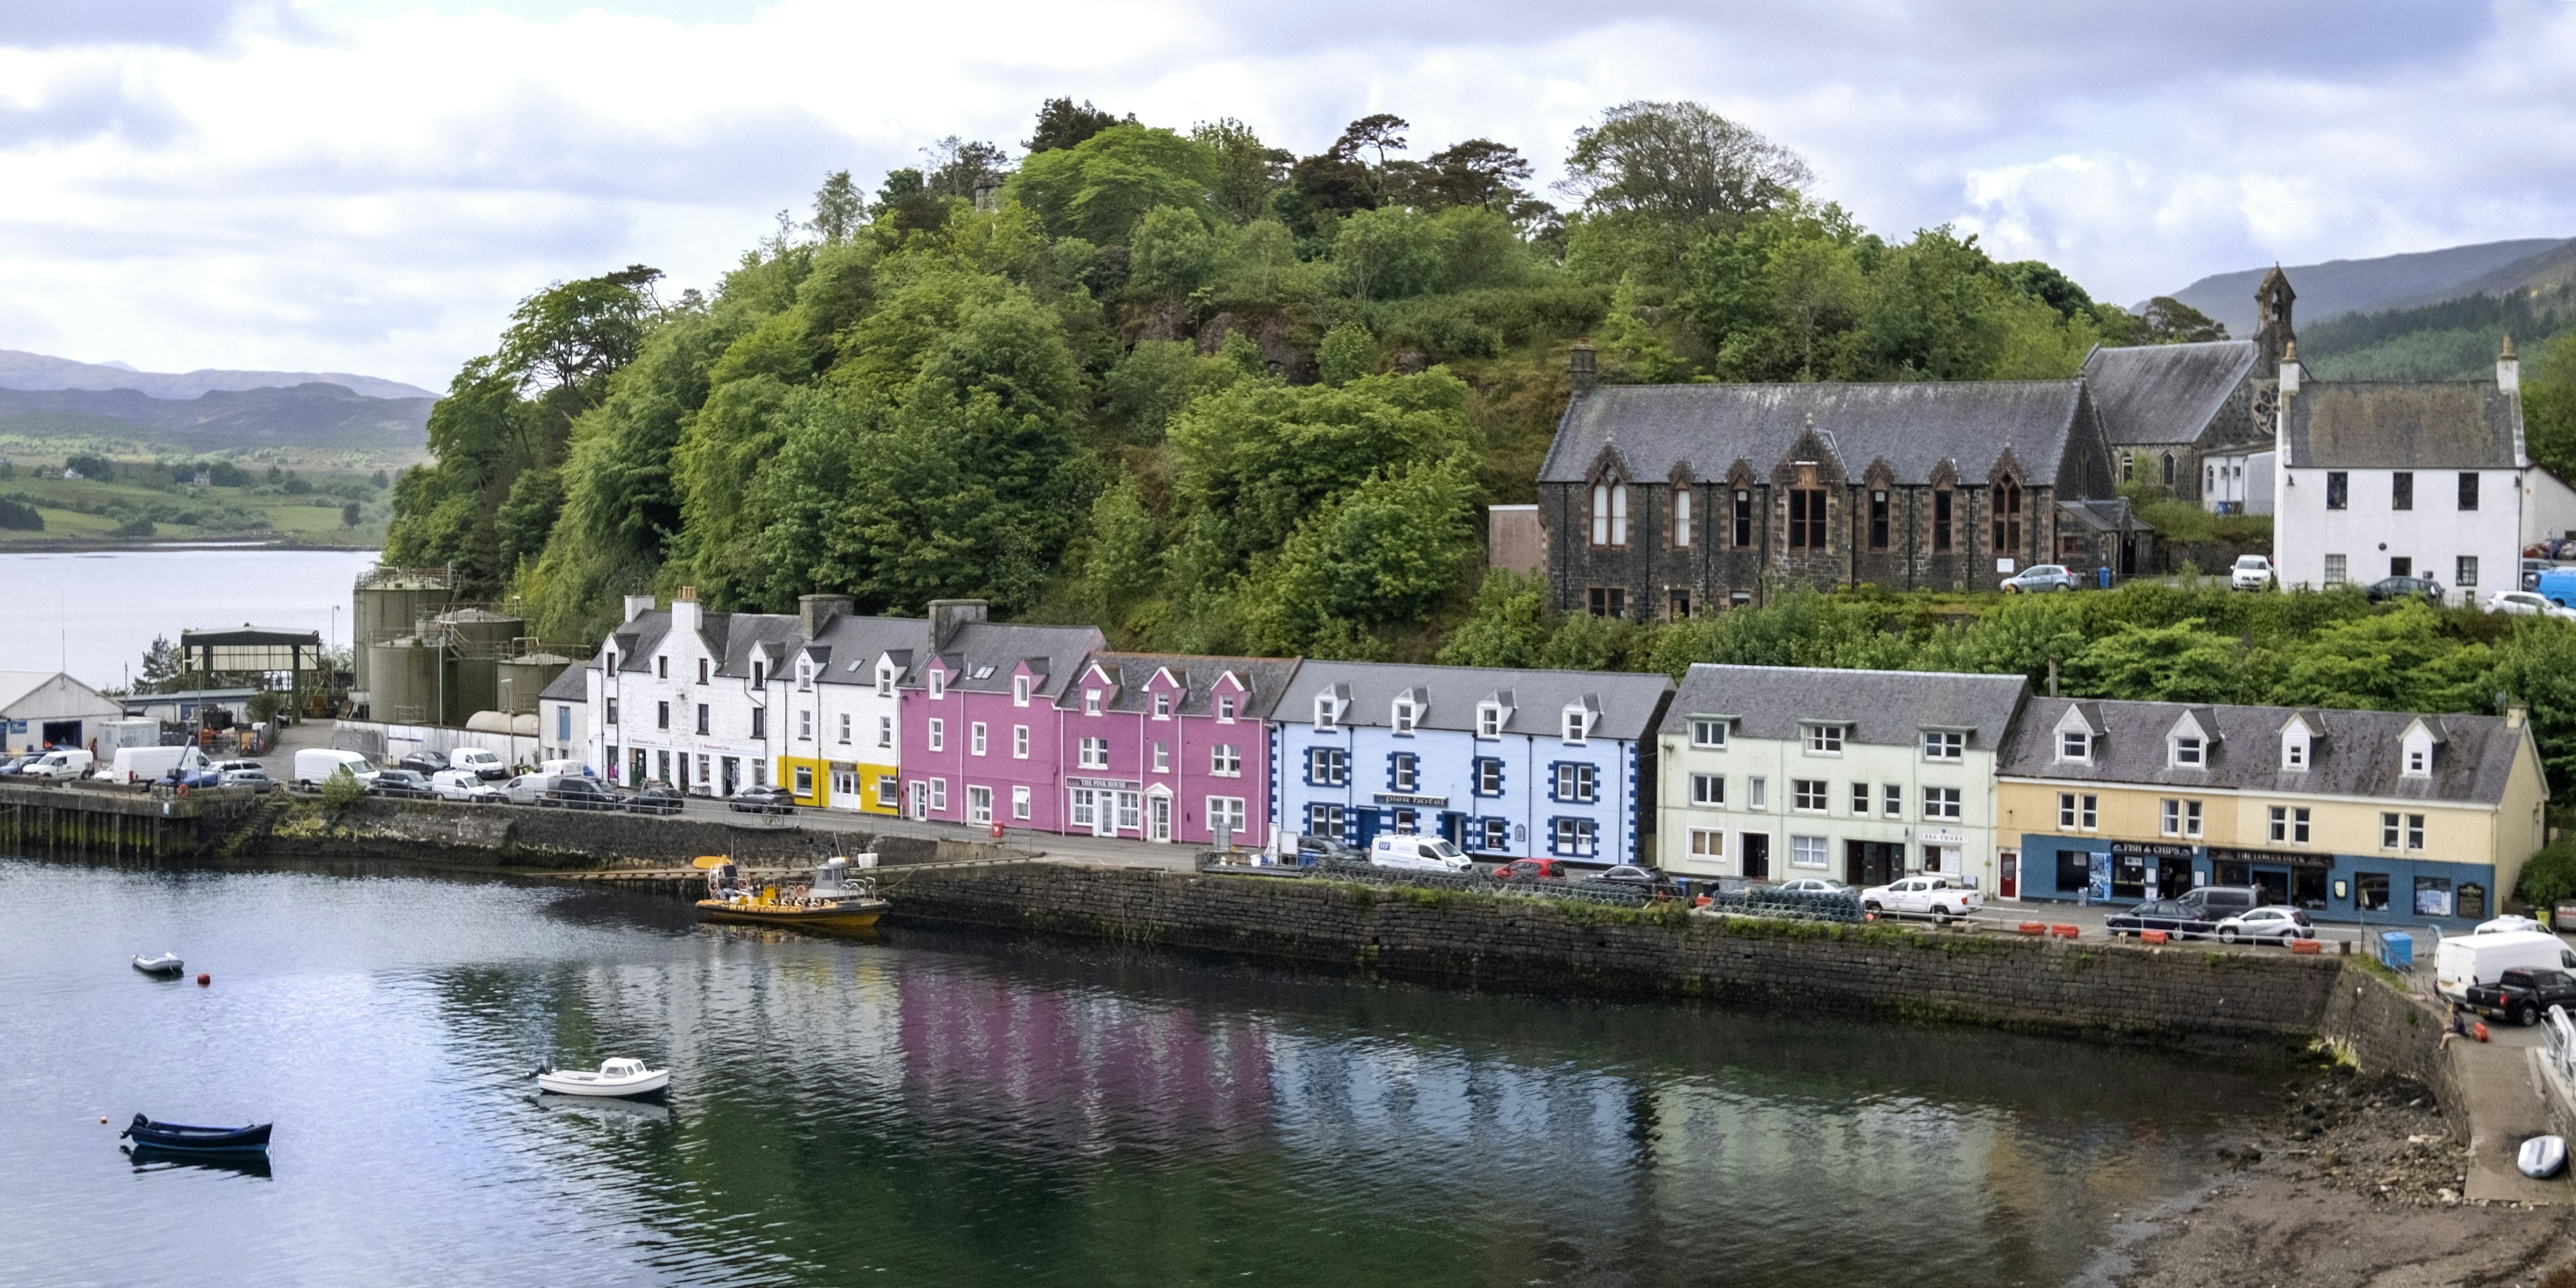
(91, 510)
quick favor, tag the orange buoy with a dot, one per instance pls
(204, 979)
(2481, 1031)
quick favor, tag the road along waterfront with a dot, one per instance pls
(963, 1110)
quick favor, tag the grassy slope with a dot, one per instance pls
(296, 516)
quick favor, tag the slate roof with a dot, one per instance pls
(640, 635)
(1881, 708)
(848, 649)
(1913, 426)
(571, 686)
(984, 654)
(2109, 515)
(2358, 754)
(1629, 703)
(1266, 679)
(2403, 424)
(2165, 393)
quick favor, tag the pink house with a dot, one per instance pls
(1163, 747)
(980, 742)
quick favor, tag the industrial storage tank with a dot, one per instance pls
(527, 675)
(384, 607)
(479, 639)
(405, 681)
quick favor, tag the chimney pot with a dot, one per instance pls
(1581, 367)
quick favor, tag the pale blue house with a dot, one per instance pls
(1507, 764)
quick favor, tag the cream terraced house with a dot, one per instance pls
(1776, 773)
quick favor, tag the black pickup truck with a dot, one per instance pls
(2521, 995)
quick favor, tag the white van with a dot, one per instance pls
(151, 764)
(70, 762)
(1424, 853)
(481, 762)
(315, 765)
(567, 768)
(2463, 960)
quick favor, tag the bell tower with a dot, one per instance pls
(2273, 334)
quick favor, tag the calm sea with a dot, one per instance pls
(942, 1110)
(93, 614)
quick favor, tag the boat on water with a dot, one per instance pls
(161, 964)
(836, 898)
(185, 1138)
(616, 1078)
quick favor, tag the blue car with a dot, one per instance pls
(193, 778)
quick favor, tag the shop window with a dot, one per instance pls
(2472, 901)
(2074, 870)
(2370, 891)
(2433, 897)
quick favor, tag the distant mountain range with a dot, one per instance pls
(49, 403)
(2342, 286)
(20, 370)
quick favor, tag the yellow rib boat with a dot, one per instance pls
(834, 900)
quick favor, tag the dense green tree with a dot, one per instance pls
(1062, 125)
(1099, 188)
(839, 210)
(1248, 171)
(1679, 163)
(1347, 353)
(2549, 404)
(2176, 663)
(1383, 555)
(1171, 252)
(1389, 253)
(1508, 627)
(1150, 385)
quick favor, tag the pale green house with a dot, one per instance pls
(1776, 773)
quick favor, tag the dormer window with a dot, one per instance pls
(1324, 713)
(1404, 717)
(1489, 721)
(1091, 702)
(1708, 732)
(1577, 723)
(1824, 740)
(2075, 745)
(2294, 750)
(885, 681)
(1945, 744)
(1162, 706)
(938, 682)
(759, 674)
(2419, 762)
(1019, 690)
(2190, 753)
(1225, 711)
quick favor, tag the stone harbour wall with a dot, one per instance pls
(521, 837)
(1502, 941)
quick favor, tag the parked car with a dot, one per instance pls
(763, 800)
(193, 777)
(254, 778)
(2526, 603)
(1326, 851)
(1630, 874)
(12, 764)
(401, 784)
(2557, 585)
(2388, 588)
(481, 762)
(570, 792)
(2521, 995)
(2253, 572)
(2042, 577)
(58, 765)
(1530, 870)
(1937, 897)
(1419, 853)
(228, 766)
(656, 798)
(2531, 570)
(2170, 915)
(1812, 885)
(2217, 903)
(422, 763)
(526, 788)
(2274, 923)
(463, 785)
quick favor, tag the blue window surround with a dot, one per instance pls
(1555, 831)
(1397, 765)
(1322, 764)
(1556, 777)
(1477, 779)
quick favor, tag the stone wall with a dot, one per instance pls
(506, 836)
(1511, 942)
(2387, 1029)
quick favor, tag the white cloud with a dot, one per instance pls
(370, 186)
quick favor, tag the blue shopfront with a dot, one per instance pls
(2334, 887)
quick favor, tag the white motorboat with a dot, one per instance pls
(160, 964)
(2541, 1156)
(613, 1078)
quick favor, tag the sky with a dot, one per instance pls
(370, 185)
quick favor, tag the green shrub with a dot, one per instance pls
(342, 789)
(2548, 876)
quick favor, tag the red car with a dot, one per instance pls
(1533, 870)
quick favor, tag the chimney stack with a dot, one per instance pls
(1581, 373)
(814, 612)
(946, 615)
(2509, 369)
(686, 615)
(2290, 369)
(638, 605)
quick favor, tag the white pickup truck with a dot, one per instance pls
(1929, 895)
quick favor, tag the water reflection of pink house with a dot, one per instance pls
(1080, 1068)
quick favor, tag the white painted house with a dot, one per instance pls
(2417, 478)
(1775, 773)
(683, 696)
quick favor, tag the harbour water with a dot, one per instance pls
(92, 613)
(954, 1110)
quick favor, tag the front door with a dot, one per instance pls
(1872, 863)
(1453, 827)
(1757, 855)
(2010, 886)
(2274, 883)
(732, 771)
(1158, 817)
(920, 799)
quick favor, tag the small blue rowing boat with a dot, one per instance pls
(202, 1140)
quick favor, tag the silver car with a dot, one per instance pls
(1811, 885)
(2272, 923)
(2041, 577)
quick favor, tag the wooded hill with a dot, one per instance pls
(1204, 392)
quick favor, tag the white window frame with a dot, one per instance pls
(1708, 734)
(1225, 760)
(1163, 705)
(1945, 745)
(1324, 713)
(938, 738)
(1020, 801)
(1942, 804)
(1824, 740)
(1708, 790)
(1226, 817)
(1162, 757)
(1576, 725)
(1020, 690)
(1813, 852)
(1891, 800)
(975, 742)
(1757, 793)
(979, 806)
(1019, 742)
(1708, 843)
(1091, 702)
(1802, 791)
(1489, 721)
(1094, 753)
(885, 731)
(2075, 745)
(2187, 753)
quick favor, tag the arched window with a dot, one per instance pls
(1600, 514)
(1609, 514)
(2128, 467)
(2007, 516)
(2169, 469)
(1681, 516)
